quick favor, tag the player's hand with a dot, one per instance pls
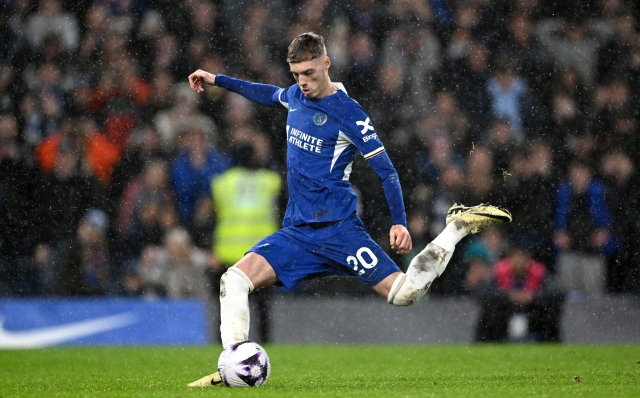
(200, 77)
(400, 239)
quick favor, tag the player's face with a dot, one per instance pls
(313, 77)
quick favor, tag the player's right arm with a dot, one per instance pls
(265, 94)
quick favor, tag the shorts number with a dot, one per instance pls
(359, 259)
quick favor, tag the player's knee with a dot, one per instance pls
(234, 281)
(404, 291)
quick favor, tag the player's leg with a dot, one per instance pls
(252, 272)
(405, 289)
(279, 258)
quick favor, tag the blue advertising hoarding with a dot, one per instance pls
(27, 323)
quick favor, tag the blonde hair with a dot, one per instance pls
(306, 47)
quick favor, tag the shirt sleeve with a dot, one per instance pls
(265, 94)
(358, 127)
(360, 131)
(388, 175)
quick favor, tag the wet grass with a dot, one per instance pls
(331, 371)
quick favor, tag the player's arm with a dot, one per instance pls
(265, 94)
(400, 239)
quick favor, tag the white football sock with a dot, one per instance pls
(424, 268)
(235, 287)
(429, 264)
(451, 235)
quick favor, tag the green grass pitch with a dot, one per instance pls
(331, 371)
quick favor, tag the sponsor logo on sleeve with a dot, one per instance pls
(366, 125)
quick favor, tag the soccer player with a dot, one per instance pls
(322, 234)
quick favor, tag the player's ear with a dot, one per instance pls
(327, 62)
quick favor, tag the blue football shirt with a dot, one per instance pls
(324, 136)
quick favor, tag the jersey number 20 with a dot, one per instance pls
(359, 259)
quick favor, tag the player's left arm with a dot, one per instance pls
(399, 237)
(360, 131)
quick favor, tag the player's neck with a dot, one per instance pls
(328, 90)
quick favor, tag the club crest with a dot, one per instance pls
(319, 119)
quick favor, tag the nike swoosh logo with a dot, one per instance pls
(495, 216)
(49, 336)
(293, 109)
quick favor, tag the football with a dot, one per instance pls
(244, 364)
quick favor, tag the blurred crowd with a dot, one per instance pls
(107, 156)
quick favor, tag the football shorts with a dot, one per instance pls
(310, 251)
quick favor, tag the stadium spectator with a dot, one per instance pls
(622, 196)
(192, 170)
(66, 194)
(511, 98)
(480, 255)
(120, 93)
(50, 19)
(450, 120)
(363, 63)
(614, 121)
(436, 154)
(583, 237)
(143, 146)
(146, 211)
(9, 88)
(44, 103)
(468, 77)
(366, 16)
(535, 58)
(182, 117)
(575, 43)
(100, 154)
(415, 49)
(176, 269)
(392, 95)
(166, 51)
(85, 267)
(98, 25)
(567, 126)
(503, 142)
(260, 37)
(534, 171)
(568, 80)
(480, 177)
(144, 41)
(20, 180)
(16, 44)
(162, 99)
(614, 56)
(519, 285)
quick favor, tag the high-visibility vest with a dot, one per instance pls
(246, 207)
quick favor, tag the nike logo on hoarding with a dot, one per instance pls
(49, 336)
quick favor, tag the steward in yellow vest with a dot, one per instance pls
(245, 199)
